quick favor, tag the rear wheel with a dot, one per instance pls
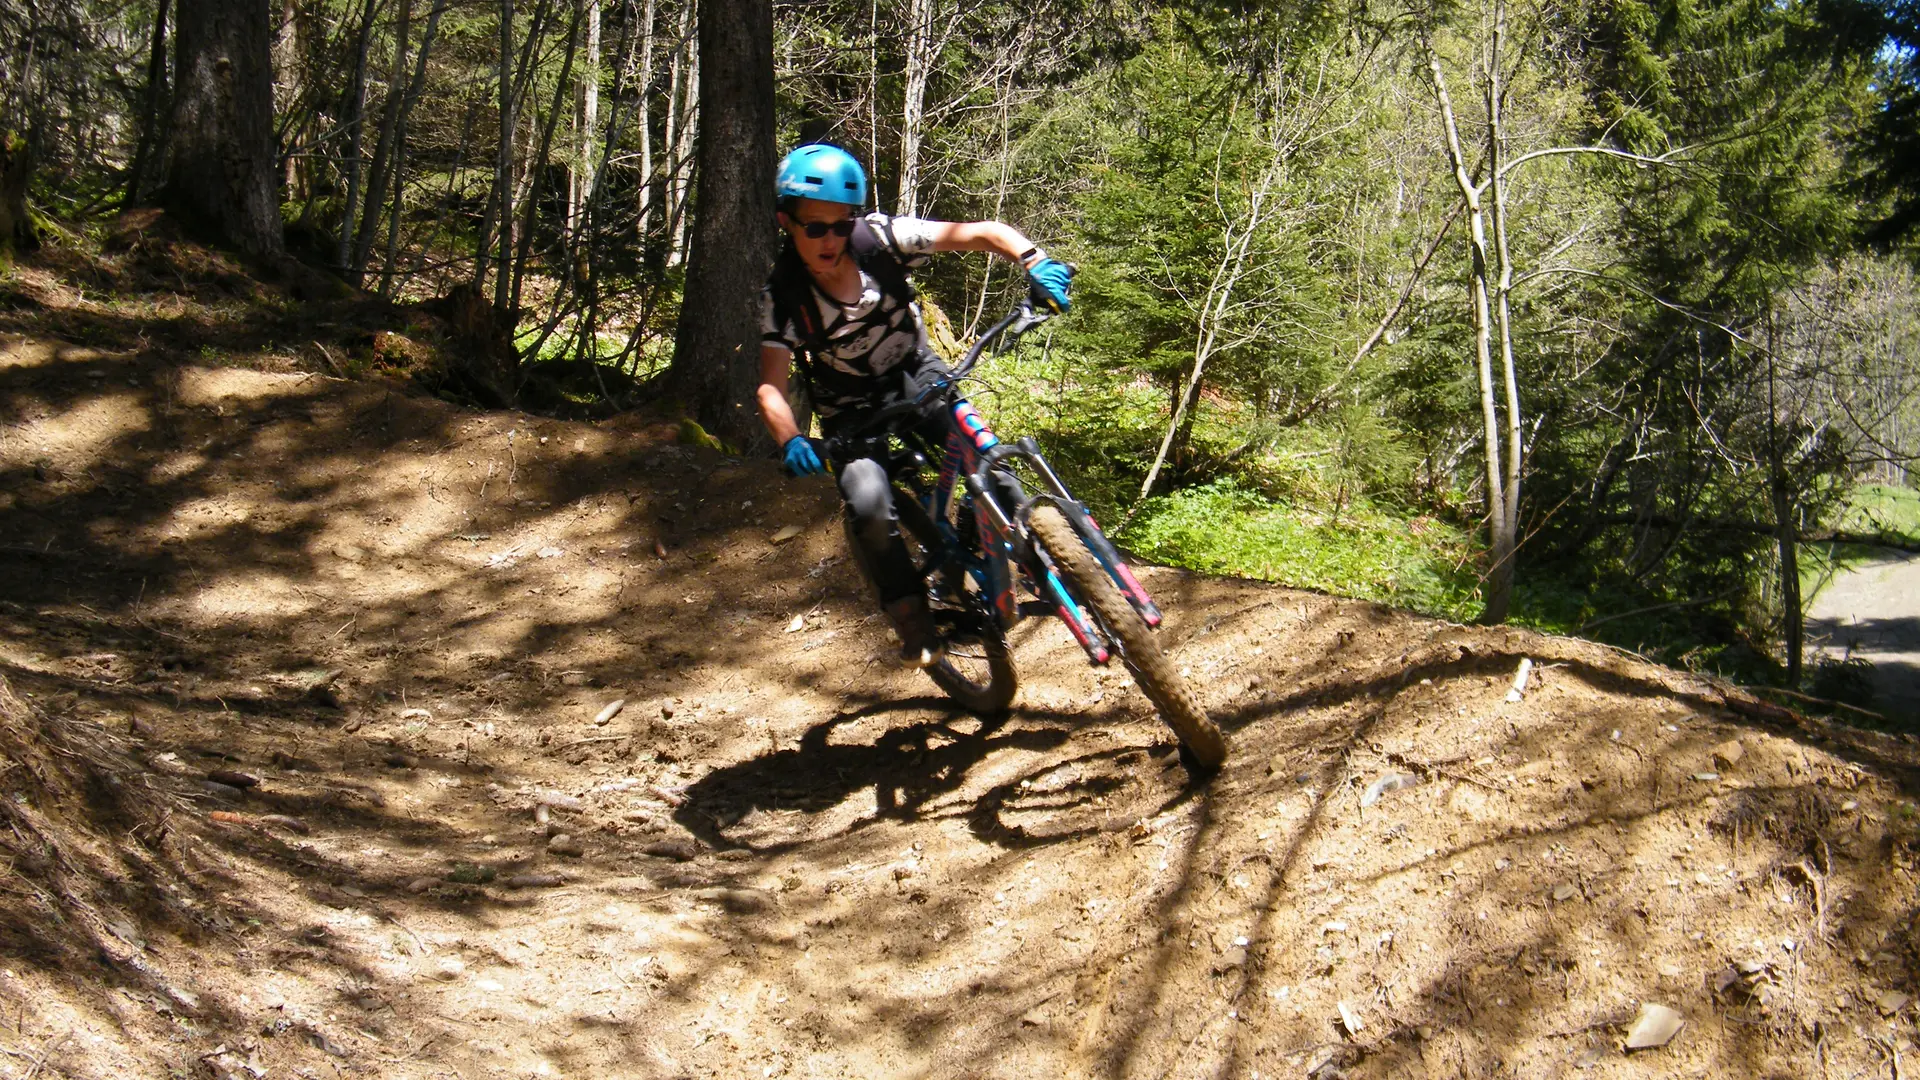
(1151, 668)
(977, 671)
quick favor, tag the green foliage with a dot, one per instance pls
(1408, 561)
(1657, 477)
(1189, 176)
(1882, 509)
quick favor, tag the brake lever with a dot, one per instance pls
(1029, 317)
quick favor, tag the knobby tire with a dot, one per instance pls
(1151, 668)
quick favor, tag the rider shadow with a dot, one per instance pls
(909, 769)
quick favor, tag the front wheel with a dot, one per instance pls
(1157, 676)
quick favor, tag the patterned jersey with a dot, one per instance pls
(868, 339)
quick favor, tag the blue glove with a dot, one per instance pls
(800, 459)
(1047, 281)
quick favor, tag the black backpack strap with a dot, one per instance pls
(890, 276)
(874, 245)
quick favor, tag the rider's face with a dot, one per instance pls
(821, 253)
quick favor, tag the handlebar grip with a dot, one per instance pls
(823, 449)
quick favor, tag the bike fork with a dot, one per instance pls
(1097, 541)
(1081, 625)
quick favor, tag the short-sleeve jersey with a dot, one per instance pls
(866, 339)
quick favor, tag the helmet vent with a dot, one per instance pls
(817, 180)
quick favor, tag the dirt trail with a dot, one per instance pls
(406, 619)
(1873, 611)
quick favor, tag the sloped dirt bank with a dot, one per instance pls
(408, 623)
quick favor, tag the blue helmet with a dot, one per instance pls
(818, 171)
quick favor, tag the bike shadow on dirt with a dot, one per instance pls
(921, 772)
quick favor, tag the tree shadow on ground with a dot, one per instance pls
(176, 569)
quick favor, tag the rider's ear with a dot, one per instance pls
(785, 221)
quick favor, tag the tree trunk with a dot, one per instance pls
(286, 55)
(1786, 531)
(354, 109)
(537, 171)
(150, 134)
(503, 160)
(292, 45)
(586, 130)
(223, 176)
(1506, 532)
(919, 65)
(644, 86)
(16, 220)
(683, 130)
(1500, 577)
(377, 175)
(873, 94)
(1792, 617)
(716, 360)
(414, 90)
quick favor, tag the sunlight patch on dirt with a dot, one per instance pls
(256, 596)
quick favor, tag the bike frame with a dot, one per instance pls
(973, 451)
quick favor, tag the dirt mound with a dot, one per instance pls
(564, 764)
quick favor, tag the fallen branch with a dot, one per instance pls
(1824, 702)
(1591, 623)
(332, 365)
(1886, 539)
(595, 739)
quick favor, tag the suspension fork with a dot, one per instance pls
(975, 451)
(1096, 538)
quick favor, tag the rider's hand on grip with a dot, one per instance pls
(799, 457)
(1047, 282)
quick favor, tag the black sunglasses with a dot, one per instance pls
(817, 229)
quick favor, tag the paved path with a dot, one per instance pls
(1875, 608)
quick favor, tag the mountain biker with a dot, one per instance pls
(838, 304)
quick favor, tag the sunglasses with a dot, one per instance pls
(842, 228)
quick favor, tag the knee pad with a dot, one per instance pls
(869, 499)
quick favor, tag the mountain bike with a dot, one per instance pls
(991, 554)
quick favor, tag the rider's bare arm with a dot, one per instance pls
(772, 394)
(994, 236)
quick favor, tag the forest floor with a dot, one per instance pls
(410, 622)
